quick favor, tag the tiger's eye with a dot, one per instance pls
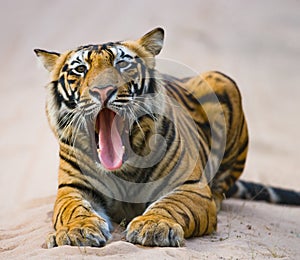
(122, 64)
(80, 69)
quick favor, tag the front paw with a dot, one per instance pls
(155, 231)
(90, 231)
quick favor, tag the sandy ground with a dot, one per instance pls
(255, 42)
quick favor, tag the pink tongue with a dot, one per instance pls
(110, 143)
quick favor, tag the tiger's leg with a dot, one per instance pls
(188, 211)
(75, 221)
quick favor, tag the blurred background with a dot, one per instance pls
(257, 43)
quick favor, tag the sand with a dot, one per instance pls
(256, 43)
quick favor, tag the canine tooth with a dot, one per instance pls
(123, 147)
(98, 150)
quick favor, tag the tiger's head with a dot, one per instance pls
(103, 86)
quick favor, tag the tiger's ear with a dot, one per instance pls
(153, 41)
(48, 58)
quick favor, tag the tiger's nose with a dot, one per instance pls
(102, 93)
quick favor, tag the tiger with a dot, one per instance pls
(141, 147)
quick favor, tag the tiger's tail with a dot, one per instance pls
(254, 191)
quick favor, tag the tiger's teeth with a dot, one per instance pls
(123, 147)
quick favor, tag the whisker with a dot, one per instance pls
(135, 119)
(148, 111)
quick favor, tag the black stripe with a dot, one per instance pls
(240, 161)
(215, 98)
(196, 193)
(179, 96)
(82, 216)
(62, 209)
(65, 68)
(163, 165)
(62, 82)
(152, 86)
(244, 146)
(105, 47)
(168, 201)
(225, 76)
(64, 198)
(214, 131)
(163, 208)
(58, 97)
(185, 217)
(56, 219)
(230, 180)
(75, 62)
(71, 73)
(71, 81)
(89, 55)
(86, 190)
(73, 211)
(238, 167)
(143, 83)
(171, 152)
(123, 96)
(57, 202)
(204, 131)
(237, 135)
(191, 210)
(74, 164)
(227, 100)
(126, 56)
(190, 182)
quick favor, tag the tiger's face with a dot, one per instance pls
(103, 86)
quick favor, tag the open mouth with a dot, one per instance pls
(109, 127)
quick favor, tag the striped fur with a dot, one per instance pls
(175, 149)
